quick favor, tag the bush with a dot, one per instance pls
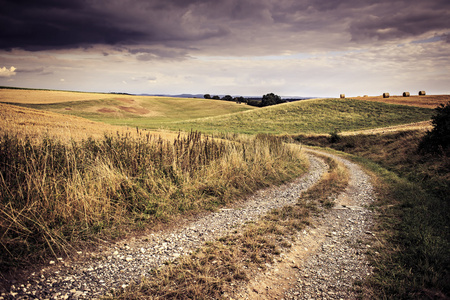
(334, 136)
(438, 139)
(271, 99)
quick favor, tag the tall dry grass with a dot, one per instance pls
(56, 194)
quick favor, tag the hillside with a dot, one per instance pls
(22, 121)
(316, 116)
(128, 110)
(311, 116)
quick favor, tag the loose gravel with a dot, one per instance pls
(340, 265)
(93, 275)
(328, 261)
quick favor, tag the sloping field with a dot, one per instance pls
(21, 121)
(311, 116)
(427, 101)
(318, 116)
(26, 96)
(128, 110)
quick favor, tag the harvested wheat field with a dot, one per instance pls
(45, 97)
(428, 101)
(22, 121)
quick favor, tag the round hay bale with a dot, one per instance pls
(366, 95)
(422, 93)
(342, 95)
(406, 94)
(385, 95)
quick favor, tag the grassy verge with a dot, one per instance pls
(412, 256)
(212, 269)
(56, 195)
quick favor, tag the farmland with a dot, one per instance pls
(426, 101)
(134, 111)
(211, 116)
(77, 167)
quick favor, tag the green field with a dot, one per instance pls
(208, 116)
(146, 112)
(311, 116)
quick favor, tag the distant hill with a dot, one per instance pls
(287, 98)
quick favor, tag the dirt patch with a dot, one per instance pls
(134, 110)
(282, 275)
(105, 110)
(125, 100)
(428, 101)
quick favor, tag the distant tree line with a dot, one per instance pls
(266, 100)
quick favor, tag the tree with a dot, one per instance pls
(438, 139)
(207, 96)
(227, 98)
(239, 99)
(271, 99)
(216, 97)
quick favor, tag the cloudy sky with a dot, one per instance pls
(238, 47)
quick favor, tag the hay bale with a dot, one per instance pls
(385, 95)
(406, 94)
(422, 93)
(342, 96)
(366, 95)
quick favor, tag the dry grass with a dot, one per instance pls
(54, 195)
(428, 101)
(46, 97)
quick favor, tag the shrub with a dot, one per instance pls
(438, 139)
(334, 136)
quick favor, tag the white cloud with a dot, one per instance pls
(5, 72)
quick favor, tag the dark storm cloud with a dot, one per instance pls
(36, 25)
(394, 20)
(182, 24)
(53, 24)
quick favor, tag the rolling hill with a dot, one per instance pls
(316, 116)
